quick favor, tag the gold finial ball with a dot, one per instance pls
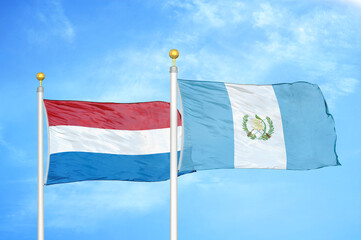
(173, 53)
(40, 76)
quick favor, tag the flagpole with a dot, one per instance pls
(173, 148)
(40, 76)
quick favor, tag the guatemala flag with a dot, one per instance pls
(280, 126)
(108, 141)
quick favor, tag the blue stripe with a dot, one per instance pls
(308, 127)
(82, 166)
(208, 126)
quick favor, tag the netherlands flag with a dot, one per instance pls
(108, 141)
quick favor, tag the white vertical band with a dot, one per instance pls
(260, 100)
(173, 155)
(40, 91)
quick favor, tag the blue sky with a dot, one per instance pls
(118, 51)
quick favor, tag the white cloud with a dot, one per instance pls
(136, 75)
(290, 38)
(267, 16)
(356, 3)
(13, 151)
(82, 206)
(312, 45)
(348, 85)
(337, 88)
(131, 75)
(304, 41)
(211, 13)
(52, 22)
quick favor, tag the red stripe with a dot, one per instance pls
(121, 116)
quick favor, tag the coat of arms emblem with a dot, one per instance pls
(258, 128)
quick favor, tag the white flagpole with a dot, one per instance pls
(173, 148)
(40, 76)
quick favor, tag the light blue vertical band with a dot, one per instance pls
(308, 128)
(208, 126)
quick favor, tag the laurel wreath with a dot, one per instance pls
(266, 135)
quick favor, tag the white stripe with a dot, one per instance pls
(261, 100)
(97, 140)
